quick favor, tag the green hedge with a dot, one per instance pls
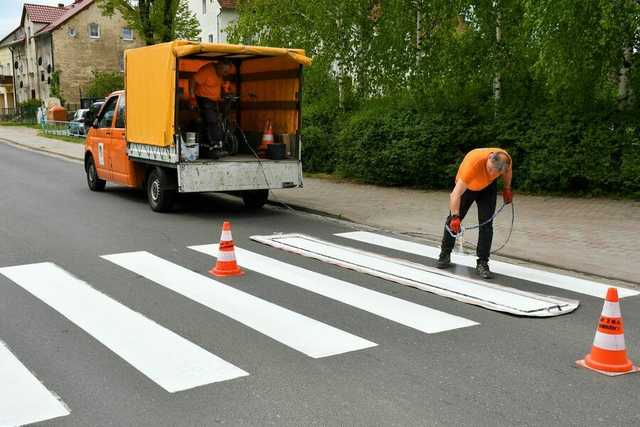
(393, 142)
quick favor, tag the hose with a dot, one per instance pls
(460, 235)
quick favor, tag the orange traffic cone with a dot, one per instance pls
(226, 264)
(608, 353)
(267, 138)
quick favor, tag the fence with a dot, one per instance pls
(71, 129)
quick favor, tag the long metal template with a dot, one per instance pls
(472, 291)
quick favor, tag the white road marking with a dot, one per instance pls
(23, 399)
(395, 309)
(484, 294)
(574, 284)
(299, 332)
(165, 357)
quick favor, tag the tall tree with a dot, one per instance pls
(156, 20)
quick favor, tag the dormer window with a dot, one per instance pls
(94, 30)
(71, 31)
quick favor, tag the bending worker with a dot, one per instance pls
(206, 85)
(476, 181)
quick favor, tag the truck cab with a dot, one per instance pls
(145, 136)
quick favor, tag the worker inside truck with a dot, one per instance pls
(209, 90)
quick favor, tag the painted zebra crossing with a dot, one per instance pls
(23, 399)
(173, 362)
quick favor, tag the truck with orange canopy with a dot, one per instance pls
(147, 135)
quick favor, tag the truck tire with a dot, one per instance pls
(255, 199)
(93, 181)
(160, 199)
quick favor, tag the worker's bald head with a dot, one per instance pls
(499, 161)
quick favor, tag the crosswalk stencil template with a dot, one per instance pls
(574, 284)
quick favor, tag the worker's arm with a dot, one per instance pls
(456, 195)
(506, 177)
(507, 194)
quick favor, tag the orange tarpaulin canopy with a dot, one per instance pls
(150, 82)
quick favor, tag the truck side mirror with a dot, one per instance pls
(88, 119)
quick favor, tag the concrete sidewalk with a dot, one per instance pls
(593, 236)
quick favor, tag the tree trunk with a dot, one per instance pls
(624, 88)
(169, 14)
(497, 81)
(145, 21)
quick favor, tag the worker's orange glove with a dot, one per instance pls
(507, 196)
(454, 224)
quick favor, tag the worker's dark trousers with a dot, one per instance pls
(486, 201)
(210, 120)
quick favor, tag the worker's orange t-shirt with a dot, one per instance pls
(473, 170)
(207, 82)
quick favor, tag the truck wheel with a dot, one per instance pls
(255, 199)
(93, 181)
(160, 200)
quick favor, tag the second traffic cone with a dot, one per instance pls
(226, 264)
(267, 138)
(608, 353)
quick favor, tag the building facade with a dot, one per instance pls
(214, 16)
(63, 46)
(7, 100)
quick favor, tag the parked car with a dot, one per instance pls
(76, 125)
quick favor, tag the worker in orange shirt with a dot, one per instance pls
(476, 181)
(206, 86)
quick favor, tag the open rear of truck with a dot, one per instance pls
(160, 118)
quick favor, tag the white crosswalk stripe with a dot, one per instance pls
(404, 312)
(23, 399)
(574, 284)
(299, 332)
(165, 357)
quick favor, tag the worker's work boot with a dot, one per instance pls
(482, 270)
(444, 260)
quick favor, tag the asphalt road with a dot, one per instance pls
(505, 371)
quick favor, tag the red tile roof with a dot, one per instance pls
(71, 10)
(228, 4)
(43, 14)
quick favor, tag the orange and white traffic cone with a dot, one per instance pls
(226, 264)
(608, 353)
(267, 138)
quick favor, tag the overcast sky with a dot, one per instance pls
(11, 11)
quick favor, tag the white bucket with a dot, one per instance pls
(189, 150)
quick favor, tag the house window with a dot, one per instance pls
(127, 34)
(94, 30)
(210, 38)
(71, 31)
(40, 60)
(42, 76)
(204, 7)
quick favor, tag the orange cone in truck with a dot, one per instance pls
(267, 138)
(226, 264)
(608, 353)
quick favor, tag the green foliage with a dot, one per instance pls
(399, 91)
(29, 108)
(156, 21)
(104, 82)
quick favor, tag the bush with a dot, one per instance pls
(402, 142)
(104, 82)
(29, 109)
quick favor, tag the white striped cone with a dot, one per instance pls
(226, 264)
(608, 353)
